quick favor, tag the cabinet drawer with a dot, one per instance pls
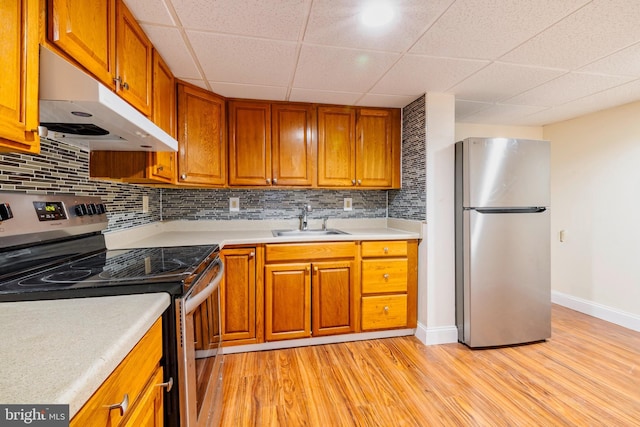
(389, 248)
(384, 275)
(130, 377)
(381, 312)
(309, 251)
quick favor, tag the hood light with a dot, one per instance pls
(81, 114)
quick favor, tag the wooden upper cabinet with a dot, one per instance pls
(133, 61)
(163, 165)
(293, 144)
(202, 155)
(358, 147)
(85, 30)
(336, 146)
(19, 89)
(375, 147)
(249, 143)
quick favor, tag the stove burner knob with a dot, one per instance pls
(100, 209)
(91, 208)
(5, 212)
(81, 209)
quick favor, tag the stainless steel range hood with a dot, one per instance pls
(78, 110)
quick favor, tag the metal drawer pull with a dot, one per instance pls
(386, 276)
(168, 385)
(252, 254)
(386, 250)
(123, 406)
(386, 308)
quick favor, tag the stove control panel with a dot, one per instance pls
(44, 217)
(5, 212)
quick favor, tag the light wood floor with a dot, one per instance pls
(587, 374)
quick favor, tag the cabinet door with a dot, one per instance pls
(374, 149)
(333, 298)
(336, 146)
(149, 410)
(249, 143)
(84, 30)
(162, 166)
(287, 301)
(134, 61)
(293, 144)
(238, 294)
(201, 137)
(19, 89)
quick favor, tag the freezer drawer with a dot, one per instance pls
(506, 286)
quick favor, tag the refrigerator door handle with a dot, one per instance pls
(534, 209)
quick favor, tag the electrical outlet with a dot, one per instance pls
(234, 204)
(348, 206)
(145, 204)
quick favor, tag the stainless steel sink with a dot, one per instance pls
(307, 233)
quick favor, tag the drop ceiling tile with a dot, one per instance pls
(466, 108)
(597, 30)
(323, 97)
(343, 70)
(374, 100)
(280, 20)
(503, 114)
(625, 62)
(415, 74)
(173, 50)
(339, 24)
(486, 29)
(232, 90)
(567, 88)
(500, 81)
(244, 60)
(150, 11)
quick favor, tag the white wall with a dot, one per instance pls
(467, 130)
(595, 198)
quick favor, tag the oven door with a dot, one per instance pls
(200, 348)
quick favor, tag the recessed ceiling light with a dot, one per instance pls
(377, 13)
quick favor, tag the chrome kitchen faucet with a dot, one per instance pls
(304, 226)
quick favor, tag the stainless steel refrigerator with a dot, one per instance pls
(503, 292)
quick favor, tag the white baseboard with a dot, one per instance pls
(437, 335)
(613, 315)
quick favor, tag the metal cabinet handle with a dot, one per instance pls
(120, 84)
(353, 182)
(252, 254)
(386, 276)
(168, 385)
(268, 181)
(385, 250)
(122, 406)
(359, 182)
(183, 176)
(386, 309)
(160, 168)
(315, 268)
(275, 180)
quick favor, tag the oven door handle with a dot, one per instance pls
(191, 302)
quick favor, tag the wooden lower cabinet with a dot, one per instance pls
(139, 377)
(309, 290)
(241, 319)
(333, 298)
(389, 271)
(287, 301)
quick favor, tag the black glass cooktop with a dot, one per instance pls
(147, 269)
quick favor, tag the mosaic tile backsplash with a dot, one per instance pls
(61, 168)
(410, 202)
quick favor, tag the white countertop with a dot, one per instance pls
(61, 351)
(239, 232)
